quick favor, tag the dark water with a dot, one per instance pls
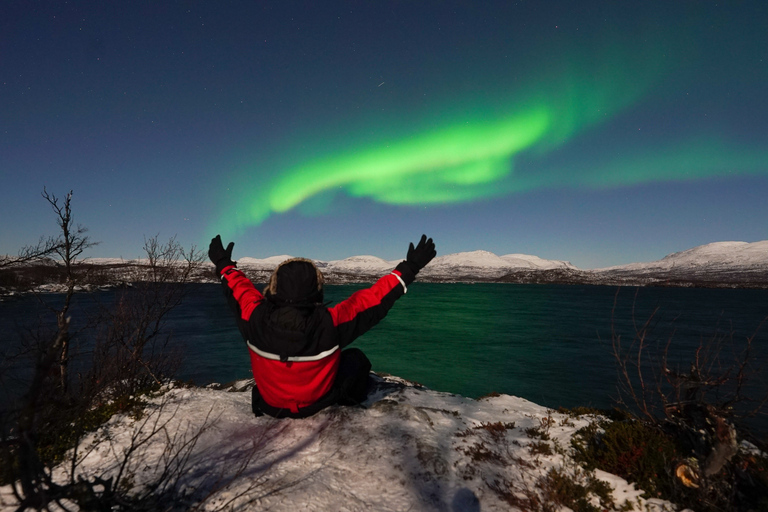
(548, 343)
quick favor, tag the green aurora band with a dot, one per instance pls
(458, 163)
(469, 159)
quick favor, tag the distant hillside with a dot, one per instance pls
(720, 264)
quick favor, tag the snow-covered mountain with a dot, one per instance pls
(360, 264)
(534, 262)
(474, 259)
(714, 256)
(484, 264)
(481, 263)
(720, 264)
(471, 266)
(729, 264)
(263, 264)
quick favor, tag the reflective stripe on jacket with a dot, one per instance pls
(296, 365)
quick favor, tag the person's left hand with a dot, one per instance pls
(220, 257)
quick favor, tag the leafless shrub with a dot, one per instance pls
(129, 358)
(161, 466)
(718, 378)
(700, 403)
(132, 344)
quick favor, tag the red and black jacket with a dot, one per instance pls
(295, 348)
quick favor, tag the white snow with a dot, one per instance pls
(478, 259)
(734, 255)
(410, 448)
(263, 263)
(534, 262)
(477, 262)
(488, 264)
(109, 261)
(361, 264)
(720, 255)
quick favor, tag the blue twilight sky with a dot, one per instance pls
(599, 132)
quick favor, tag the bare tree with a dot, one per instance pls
(44, 248)
(130, 354)
(69, 245)
(132, 347)
(42, 251)
(50, 352)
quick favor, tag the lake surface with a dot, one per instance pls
(550, 344)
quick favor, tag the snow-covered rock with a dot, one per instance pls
(408, 448)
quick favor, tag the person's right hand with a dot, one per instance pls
(419, 256)
(220, 257)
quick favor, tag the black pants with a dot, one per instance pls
(349, 388)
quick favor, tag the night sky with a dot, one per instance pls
(596, 132)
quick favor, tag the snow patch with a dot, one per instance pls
(477, 259)
(264, 263)
(534, 262)
(407, 448)
(364, 264)
(735, 255)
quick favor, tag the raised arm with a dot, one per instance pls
(366, 308)
(241, 295)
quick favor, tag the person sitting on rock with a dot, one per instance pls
(295, 341)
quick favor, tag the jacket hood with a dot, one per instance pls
(295, 281)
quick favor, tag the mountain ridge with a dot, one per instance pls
(716, 265)
(729, 252)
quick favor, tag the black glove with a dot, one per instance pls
(218, 255)
(419, 256)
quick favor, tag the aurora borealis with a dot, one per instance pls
(463, 160)
(595, 132)
(454, 164)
